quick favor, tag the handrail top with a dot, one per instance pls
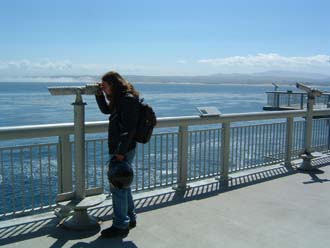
(67, 128)
(293, 92)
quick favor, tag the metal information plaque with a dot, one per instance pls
(208, 111)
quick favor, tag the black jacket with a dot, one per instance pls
(122, 123)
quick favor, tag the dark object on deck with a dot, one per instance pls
(120, 173)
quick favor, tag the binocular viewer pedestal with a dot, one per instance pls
(308, 155)
(81, 199)
(80, 220)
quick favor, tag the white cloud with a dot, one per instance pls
(182, 61)
(41, 70)
(25, 69)
(47, 67)
(52, 67)
(66, 70)
(270, 61)
(45, 64)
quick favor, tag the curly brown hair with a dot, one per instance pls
(119, 86)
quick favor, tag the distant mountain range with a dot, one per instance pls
(279, 77)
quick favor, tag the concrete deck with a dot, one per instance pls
(273, 207)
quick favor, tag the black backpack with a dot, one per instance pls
(146, 123)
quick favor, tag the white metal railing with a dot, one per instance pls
(28, 177)
(296, 100)
(32, 175)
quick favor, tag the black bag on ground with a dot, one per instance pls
(146, 123)
(120, 173)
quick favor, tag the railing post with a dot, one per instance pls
(302, 101)
(276, 99)
(182, 170)
(328, 122)
(289, 141)
(65, 164)
(225, 151)
(289, 99)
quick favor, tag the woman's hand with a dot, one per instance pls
(99, 92)
(119, 157)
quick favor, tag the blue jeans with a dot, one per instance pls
(122, 200)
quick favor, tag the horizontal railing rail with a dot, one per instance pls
(32, 174)
(48, 130)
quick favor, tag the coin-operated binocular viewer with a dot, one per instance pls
(81, 199)
(307, 156)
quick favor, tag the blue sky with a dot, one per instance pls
(168, 37)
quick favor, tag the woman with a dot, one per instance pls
(118, 98)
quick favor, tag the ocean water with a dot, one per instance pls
(31, 103)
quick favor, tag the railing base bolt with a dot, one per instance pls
(306, 165)
(181, 188)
